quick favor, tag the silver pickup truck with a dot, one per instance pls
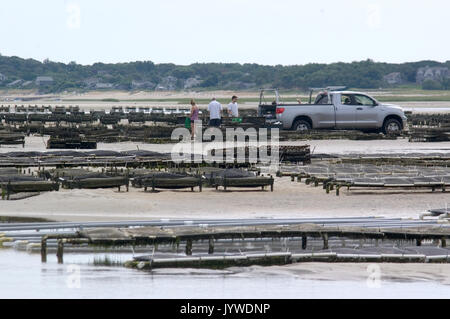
(336, 110)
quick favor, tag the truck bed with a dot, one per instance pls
(269, 110)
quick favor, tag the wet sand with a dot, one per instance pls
(388, 272)
(288, 200)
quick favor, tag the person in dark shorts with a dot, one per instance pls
(215, 113)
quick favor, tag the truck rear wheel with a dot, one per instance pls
(392, 126)
(301, 126)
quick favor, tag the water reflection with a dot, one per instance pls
(23, 276)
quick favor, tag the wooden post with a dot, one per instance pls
(211, 246)
(189, 247)
(8, 190)
(304, 242)
(44, 249)
(60, 251)
(325, 240)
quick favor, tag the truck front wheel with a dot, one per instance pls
(301, 126)
(392, 126)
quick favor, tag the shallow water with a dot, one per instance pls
(23, 276)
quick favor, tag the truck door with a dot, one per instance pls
(345, 111)
(323, 113)
(366, 112)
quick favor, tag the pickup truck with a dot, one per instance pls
(336, 110)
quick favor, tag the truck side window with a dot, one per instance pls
(322, 99)
(363, 100)
(319, 99)
(346, 99)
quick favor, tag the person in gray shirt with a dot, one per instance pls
(233, 110)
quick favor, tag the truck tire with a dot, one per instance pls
(301, 126)
(392, 126)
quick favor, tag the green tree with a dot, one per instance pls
(431, 85)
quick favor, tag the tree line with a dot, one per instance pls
(72, 76)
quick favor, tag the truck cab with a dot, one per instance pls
(338, 109)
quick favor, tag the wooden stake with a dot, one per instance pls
(60, 251)
(189, 247)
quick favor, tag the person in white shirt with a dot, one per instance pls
(215, 110)
(233, 110)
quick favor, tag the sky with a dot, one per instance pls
(267, 32)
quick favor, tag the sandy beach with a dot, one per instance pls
(290, 199)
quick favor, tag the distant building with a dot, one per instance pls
(393, 78)
(27, 83)
(432, 73)
(104, 74)
(104, 85)
(192, 82)
(44, 80)
(169, 83)
(91, 82)
(142, 85)
(15, 83)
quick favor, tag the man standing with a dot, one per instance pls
(233, 107)
(215, 110)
